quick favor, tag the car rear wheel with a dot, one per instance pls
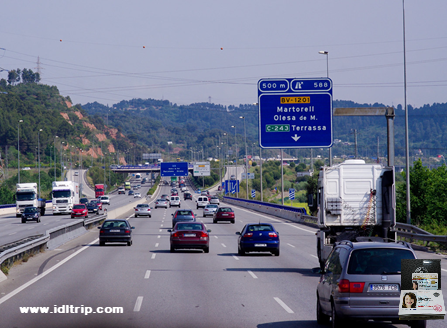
(241, 252)
(276, 253)
(232, 221)
(336, 321)
(129, 243)
(23, 221)
(136, 215)
(172, 250)
(322, 318)
(101, 243)
(206, 250)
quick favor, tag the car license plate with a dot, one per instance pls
(224, 214)
(115, 230)
(189, 235)
(260, 245)
(384, 287)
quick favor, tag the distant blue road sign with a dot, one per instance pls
(291, 194)
(295, 113)
(233, 186)
(176, 169)
(253, 193)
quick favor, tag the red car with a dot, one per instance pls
(224, 214)
(79, 210)
(190, 235)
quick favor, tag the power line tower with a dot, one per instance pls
(39, 67)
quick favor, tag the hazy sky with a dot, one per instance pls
(194, 51)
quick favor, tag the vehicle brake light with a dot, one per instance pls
(356, 287)
(127, 231)
(273, 234)
(175, 235)
(345, 286)
(248, 234)
(203, 234)
(101, 231)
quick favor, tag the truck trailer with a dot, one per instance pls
(65, 195)
(27, 195)
(355, 201)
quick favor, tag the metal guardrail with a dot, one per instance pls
(403, 230)
(51, 234)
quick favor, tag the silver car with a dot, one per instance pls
(209, 210)
(215, 200)
(361, 281)
(162, 202)
(142, 209)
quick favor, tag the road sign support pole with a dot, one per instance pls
(282, 180)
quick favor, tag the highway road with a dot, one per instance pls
(156, 288)
(12, 229)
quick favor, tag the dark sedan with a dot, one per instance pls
(224, 214)
(92, 207)
(190, 235)
(98, 202)
(30, 214)
(113, 231)
(183, 216)
(258, 237)
(187, 195)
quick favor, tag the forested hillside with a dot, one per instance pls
(155, 122)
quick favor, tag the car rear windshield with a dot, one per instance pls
(260, 227)
(115, 224)
(211, 206)
(142, 205)
(377, 260)
(225, 209)
(189, 226)
(184, 213)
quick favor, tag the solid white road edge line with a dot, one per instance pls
(277, 220)
(284, 306)
(32, 281)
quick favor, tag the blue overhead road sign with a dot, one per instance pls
(176, 169)
(295, 113)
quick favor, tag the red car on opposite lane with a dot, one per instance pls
(79, 210)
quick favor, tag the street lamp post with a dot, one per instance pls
(62, 167)
(38, 155)
(55, 157)
(18, 150)
(246, 158)
(326, 53)
(235, 142)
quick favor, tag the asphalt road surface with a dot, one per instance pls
(156, 288)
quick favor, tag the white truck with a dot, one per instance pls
(355, 200)
(65, 195)
(27, 195)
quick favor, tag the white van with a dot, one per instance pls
(174, 201)
(202, 201)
